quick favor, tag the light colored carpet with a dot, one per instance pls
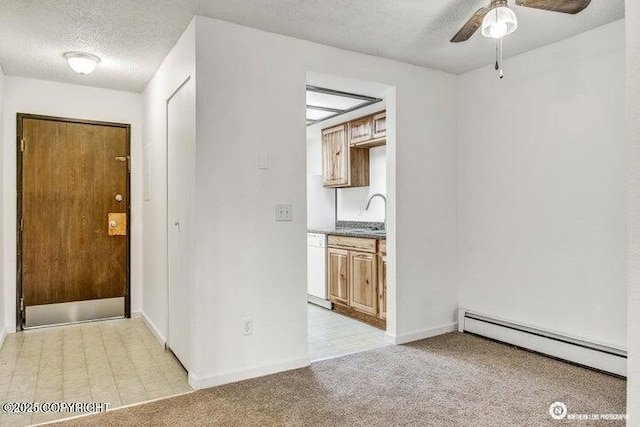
(450, 380)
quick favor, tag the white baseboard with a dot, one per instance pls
(420, 335)
(563, 346)
(319, 301)
(152, 327)
(235, 375)
(3, 335)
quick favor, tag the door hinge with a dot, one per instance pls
(21, 224)
(22, 144)
(21, 305)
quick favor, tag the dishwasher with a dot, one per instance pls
(317, 269)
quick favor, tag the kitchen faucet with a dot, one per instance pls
(385, 205)
(376, 195)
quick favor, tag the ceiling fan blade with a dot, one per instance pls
(564, 6)
(471, 26)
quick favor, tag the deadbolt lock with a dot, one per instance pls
(117, 224)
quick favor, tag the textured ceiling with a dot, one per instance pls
(133, 36)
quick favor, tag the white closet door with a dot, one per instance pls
(180, 194)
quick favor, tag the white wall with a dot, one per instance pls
(632, 12)
(22, 95)
(542, 205)
(351, 201)
(176, 68)
(251, 94)
(3, 322)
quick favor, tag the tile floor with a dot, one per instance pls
(115, 361)
(121, 362)
(332, 334)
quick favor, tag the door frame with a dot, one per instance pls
(19, 118)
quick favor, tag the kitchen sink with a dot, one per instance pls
(380, 232)
(365, 231)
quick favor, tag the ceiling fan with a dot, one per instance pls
(498, 20)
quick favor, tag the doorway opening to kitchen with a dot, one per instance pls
(349, 133)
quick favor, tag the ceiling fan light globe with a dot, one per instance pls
(498, 30)
(499, 22)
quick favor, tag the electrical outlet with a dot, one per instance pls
(284, 213)
(247, 326)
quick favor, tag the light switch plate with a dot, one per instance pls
(263, 161)
(284, 213)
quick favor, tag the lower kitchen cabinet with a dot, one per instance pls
(357, 269)
(338, 275)
(364, 295)
(382, 285)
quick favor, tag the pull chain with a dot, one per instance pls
(499, 58)
(501, 74)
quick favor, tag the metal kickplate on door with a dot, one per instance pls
(117, 224)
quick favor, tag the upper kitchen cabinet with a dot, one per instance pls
(360, 130)
(343, 165)
(379, 124)
(369, 131)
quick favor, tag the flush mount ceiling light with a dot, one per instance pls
(323, 103)
(82, 63)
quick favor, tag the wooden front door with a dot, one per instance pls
(73, 208)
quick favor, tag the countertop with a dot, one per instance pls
(354, 229)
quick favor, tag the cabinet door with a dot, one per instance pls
(338, 275)
(364, 296)
(335, 157)
(360, 130)
(382, 286)
(380, 125)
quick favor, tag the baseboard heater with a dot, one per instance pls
(589, 354)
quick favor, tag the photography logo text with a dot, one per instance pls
(558, 411)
